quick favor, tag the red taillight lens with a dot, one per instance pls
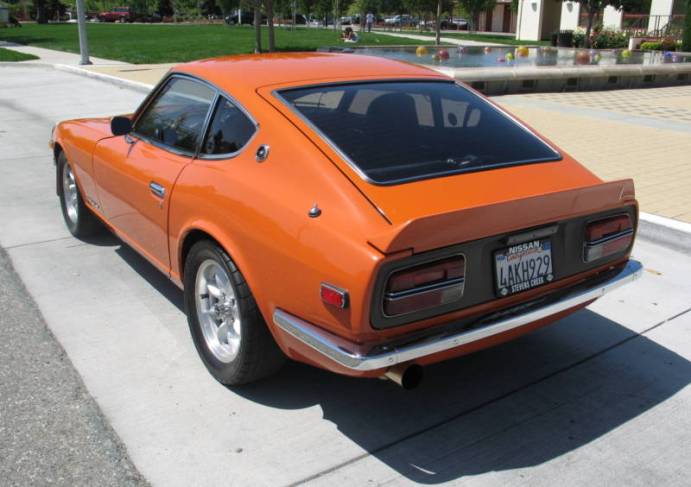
(425, 286)
(607, 236)
(334, 296)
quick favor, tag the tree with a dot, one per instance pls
(270, 21)
(594, 7)
(257, 26)
(686, 36)
(474, 8)
(40, 6)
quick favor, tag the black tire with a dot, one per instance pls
(257, 356)
(82, 223)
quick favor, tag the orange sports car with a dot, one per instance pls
(358, 214)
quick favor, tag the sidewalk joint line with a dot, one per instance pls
(39, 242)
(489, 402)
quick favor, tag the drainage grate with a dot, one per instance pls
(528, 83)
(612, 79)
(648, 78)
(478, 85)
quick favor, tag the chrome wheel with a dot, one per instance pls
(217, 311)
(70, 194)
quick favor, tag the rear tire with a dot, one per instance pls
(228, 330)
(80, 221)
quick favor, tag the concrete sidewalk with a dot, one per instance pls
(52, 57)
(443, 39)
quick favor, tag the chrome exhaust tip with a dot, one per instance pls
(408, 376)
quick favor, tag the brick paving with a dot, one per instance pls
(644, 134)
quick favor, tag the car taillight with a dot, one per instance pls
(333, 295)
(425, 286)
(607, 236)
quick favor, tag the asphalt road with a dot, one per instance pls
(600, 398)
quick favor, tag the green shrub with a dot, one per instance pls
(651, 46)
(666, 44)
(609, 39)
(669, 44)
(579, 38)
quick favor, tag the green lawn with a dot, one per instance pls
(489, 38)
(12, 56)
(159, 43)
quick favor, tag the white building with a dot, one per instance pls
(538, 19)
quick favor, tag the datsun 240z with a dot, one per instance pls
(359, 214)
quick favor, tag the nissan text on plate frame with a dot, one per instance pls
(358, 214)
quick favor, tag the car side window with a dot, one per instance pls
(229, 131)
(176, 117)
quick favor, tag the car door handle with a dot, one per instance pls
(158, 190)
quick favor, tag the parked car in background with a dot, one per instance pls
(148, 18)
(356, 213)
(445, 24)
(300, 19)
(117, 14)
(401, 21)
(455, 23)
(247, 17)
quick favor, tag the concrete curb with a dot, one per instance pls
(114, 80)
(670, 233)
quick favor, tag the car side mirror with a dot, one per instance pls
(120, 125)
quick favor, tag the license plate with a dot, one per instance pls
(523, 266)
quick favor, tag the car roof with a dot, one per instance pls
(247, 73)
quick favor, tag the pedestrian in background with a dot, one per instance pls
(369, 20)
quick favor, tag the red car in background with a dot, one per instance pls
(118, 14)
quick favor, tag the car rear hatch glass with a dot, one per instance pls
(393, 132)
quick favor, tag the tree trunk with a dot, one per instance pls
(270, 24)
(686, 36)
(41, 12)
(589, 28)
(437, 27)
(257, 28)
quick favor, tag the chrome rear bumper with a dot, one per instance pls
(352, 356)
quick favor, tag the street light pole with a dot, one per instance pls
(83, 41)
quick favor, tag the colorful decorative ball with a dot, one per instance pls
(488, 49)
(626, 54)
(597, 58)
(582, 57)
(523, 51)
(509, 57)
(421, 51)
(443, 54)
(501, 60)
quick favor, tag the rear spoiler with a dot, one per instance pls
(441, 230)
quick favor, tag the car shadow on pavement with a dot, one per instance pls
(516, 405)
(149, 273)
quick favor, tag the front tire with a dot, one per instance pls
(80, 221)
(228, 330)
